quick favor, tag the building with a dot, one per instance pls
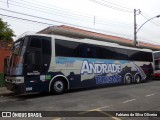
(81, 33)
(5, 50)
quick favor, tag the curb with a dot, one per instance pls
(5, 92)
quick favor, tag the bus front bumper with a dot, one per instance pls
(15, 84)
(17, 88)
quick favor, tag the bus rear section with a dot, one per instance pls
(156, 64)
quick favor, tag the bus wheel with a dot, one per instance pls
(128, 79)
(137, 78)
(58, 86)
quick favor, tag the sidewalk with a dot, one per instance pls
(4, 91)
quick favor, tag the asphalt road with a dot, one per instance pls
(135, 97)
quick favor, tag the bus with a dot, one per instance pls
(53, 63)
(156, 55)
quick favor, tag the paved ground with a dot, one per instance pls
(136, 97)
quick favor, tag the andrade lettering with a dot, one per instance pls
(99, 68)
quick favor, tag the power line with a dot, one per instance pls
(101, 22)
(33, 16)
(91, 17)
(26, 19)
(64, 10)
(60, 9)
(44, 23)
(144, 16)
(98, 20)
(47, 8)
(111, 6)
(100, 30)
(118, 5)
(156, 24)
(42, 10)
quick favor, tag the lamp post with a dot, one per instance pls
(135, 42)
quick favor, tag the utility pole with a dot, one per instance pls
(135, 42)
(8, 3)
(135, 28)
(137, 12)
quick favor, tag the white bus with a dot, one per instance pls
(157, 64)
(52, 63)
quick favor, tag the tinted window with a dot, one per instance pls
(140, 55)
(156, 55)
(35, 42)
(66, 48)
(76, 49)
(121, 54)
(46, 45)
(106, 53)
(34, 61)
(157, 65)
(39, 53)
(46, 53)
(87, 51)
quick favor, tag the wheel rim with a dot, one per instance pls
(58, 86)
(137, 79)
(128, 79)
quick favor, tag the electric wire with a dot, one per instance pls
(44, 23)
(88, 28)
(101, 22)
(118, 5)
(144, 16)
(111, 6)
(64, 23)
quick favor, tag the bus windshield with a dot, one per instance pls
(16, 58)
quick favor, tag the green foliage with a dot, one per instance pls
(6, 33)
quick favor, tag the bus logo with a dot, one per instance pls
(6, 114)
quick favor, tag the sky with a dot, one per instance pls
(111, 17)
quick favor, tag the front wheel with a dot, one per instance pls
(58, 86)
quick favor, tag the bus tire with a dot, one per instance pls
(58, 86)
(137, 78)
(128, 79)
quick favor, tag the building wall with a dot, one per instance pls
(3, 53)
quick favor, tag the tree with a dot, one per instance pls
(6, 33)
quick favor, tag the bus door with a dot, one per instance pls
(39, 54)
(34, 62)
(38, 61)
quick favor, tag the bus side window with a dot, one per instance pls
(156, 64)
(83, 51)
(92, 53)
(87, 51)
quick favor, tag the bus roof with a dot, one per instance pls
(89, 41)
